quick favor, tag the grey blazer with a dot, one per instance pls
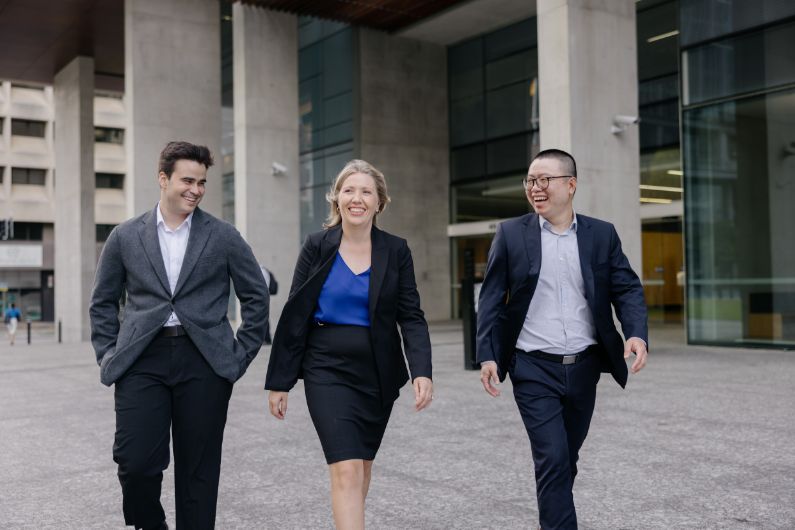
(131, 260)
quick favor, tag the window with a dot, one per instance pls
(114, 181)
(25, 231)
(32, 128)
(109, 135)
(738, 220)
(740, 65)
(493, 125)
(28, 175)
(326, 62)
(103, 232)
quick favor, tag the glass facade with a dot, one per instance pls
(704, 20)
(739, 170)
(493, 102)
(660, 158)
(658, 102)
(326, 112)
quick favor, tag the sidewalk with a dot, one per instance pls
(701, 439)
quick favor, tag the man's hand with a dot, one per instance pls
(277, 401)
(423, 392)
(638, 347)
(490, 378)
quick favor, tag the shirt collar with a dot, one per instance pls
(162, 222)
(544, 224)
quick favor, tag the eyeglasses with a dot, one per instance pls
(542, 181)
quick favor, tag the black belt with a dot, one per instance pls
(563, 359)
(172, 331)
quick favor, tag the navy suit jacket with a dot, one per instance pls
(512, 275)
(393, 300)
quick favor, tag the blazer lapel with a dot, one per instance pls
(585, 246)
(329, 246)
(532, 242)
(199, 235)
(151, 243)
(379, 259)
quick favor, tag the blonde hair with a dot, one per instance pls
(332, 197)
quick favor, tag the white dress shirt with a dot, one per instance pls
(558, 320)
(173, 244)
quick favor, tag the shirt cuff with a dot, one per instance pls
(484, 363)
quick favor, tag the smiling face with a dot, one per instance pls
(555, 202)
(358, 200)
(181, 193)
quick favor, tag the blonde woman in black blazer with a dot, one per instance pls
(353, 285)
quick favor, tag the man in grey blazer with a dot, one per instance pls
(171, 351)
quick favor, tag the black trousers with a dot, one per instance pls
(170, 387)
(556, 402)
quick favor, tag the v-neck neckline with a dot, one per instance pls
(350, 269)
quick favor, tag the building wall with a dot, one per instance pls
(34, 203)
(403, 131)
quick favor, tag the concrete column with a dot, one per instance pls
(266, 137)
(172, 83)
(403, 131)
(587, 63)
(75, 231)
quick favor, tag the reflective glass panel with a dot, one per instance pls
(739, 170)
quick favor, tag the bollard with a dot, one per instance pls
(59, 331)
(468, 311)
(28, 331)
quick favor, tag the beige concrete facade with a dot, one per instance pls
(266, 139)
(172, 88)
(75, 230)
(587, 62)
(403, 130)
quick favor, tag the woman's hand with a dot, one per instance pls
(423, 392)
(277, 401)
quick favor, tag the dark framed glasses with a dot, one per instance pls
(543, 181)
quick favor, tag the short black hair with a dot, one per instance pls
(561, 156)
(174, 151)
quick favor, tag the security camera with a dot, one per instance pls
(278, 169)
(621, 122)
(623, 119)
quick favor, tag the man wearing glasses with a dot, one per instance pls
(544, 317)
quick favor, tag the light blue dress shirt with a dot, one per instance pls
(558, 320)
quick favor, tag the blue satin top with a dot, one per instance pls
(345, 296)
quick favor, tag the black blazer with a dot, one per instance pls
(393, 300)
(512, 275)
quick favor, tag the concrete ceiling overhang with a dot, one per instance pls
(39, 37)
(386, 15)
(469, 19)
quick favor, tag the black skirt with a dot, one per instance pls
(342, 392)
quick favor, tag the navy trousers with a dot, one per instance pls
(556, 402)
(170, 388)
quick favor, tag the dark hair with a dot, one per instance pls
(174, 151)
(562, 157)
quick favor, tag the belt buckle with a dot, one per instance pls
(570, 359)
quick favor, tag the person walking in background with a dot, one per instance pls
(353, 285)
(273, 290)
(545, 318)
(173, 356)
(11, 319)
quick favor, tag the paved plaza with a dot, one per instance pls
(702, 438)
